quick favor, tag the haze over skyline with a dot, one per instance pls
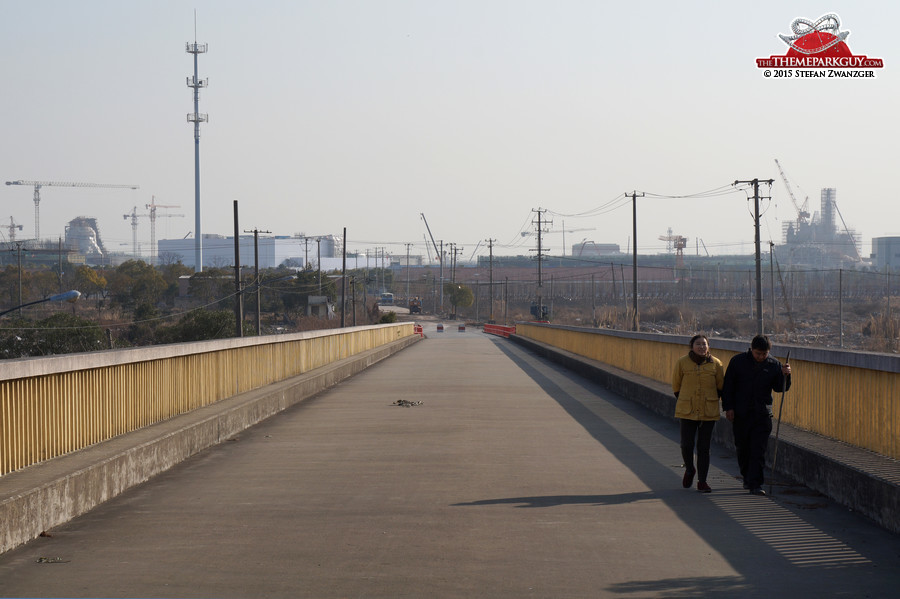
(356, 114)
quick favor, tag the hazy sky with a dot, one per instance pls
(364, 113)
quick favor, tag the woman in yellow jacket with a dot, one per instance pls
(697, 383)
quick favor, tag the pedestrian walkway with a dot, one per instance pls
(512, 478)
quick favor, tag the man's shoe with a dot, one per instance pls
(746, 486)
(688, 479)
(703, 487)
(757, 491)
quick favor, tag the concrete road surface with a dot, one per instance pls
(512, 479)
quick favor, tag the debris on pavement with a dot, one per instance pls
(406, 403)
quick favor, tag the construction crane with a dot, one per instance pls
(704, 248)
(11, 227)
(134, 216)
(802, 210)
(680, 243)
(427, 247)
(850, 237)
(134, 223)
(37, 195)
(477, 245)
(152, 206)
(437, 252)
(564, 230)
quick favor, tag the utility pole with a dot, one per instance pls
(365, 289)
(256, 233)
(634, 285)
(491, 275)
(506, 300)
(379, 270)
(456, 251)
(615, 295)
(238, 296)
(319, 261)
(59, 270)
(841, 305)
(434, 295)
(756, 198)
(551, 295)
(453, 251)
(452, 262)
(772, 280)
(19, 264)
(408, 245)
(353, 298)
(540, 260)
(889, 317)
(344, 277)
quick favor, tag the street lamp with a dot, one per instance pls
(68, 296)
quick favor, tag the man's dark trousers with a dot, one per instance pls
(751, 438)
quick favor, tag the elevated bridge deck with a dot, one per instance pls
(512, 478)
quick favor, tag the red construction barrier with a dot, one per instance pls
(418, 330)
(499, 329)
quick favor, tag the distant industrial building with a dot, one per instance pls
(400, 260)
(589, 249)
(886, 253)
(218, 251)
(818, 239)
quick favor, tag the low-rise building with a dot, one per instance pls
(886, 253)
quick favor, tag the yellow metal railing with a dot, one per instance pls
(847, 396)
(54, 405)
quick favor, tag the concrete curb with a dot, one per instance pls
(863, 481)
(45, 495)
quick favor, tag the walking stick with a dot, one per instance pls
(778, 425)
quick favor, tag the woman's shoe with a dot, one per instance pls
(688, 479)
(703, 487)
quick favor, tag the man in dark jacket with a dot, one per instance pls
(750, 379)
